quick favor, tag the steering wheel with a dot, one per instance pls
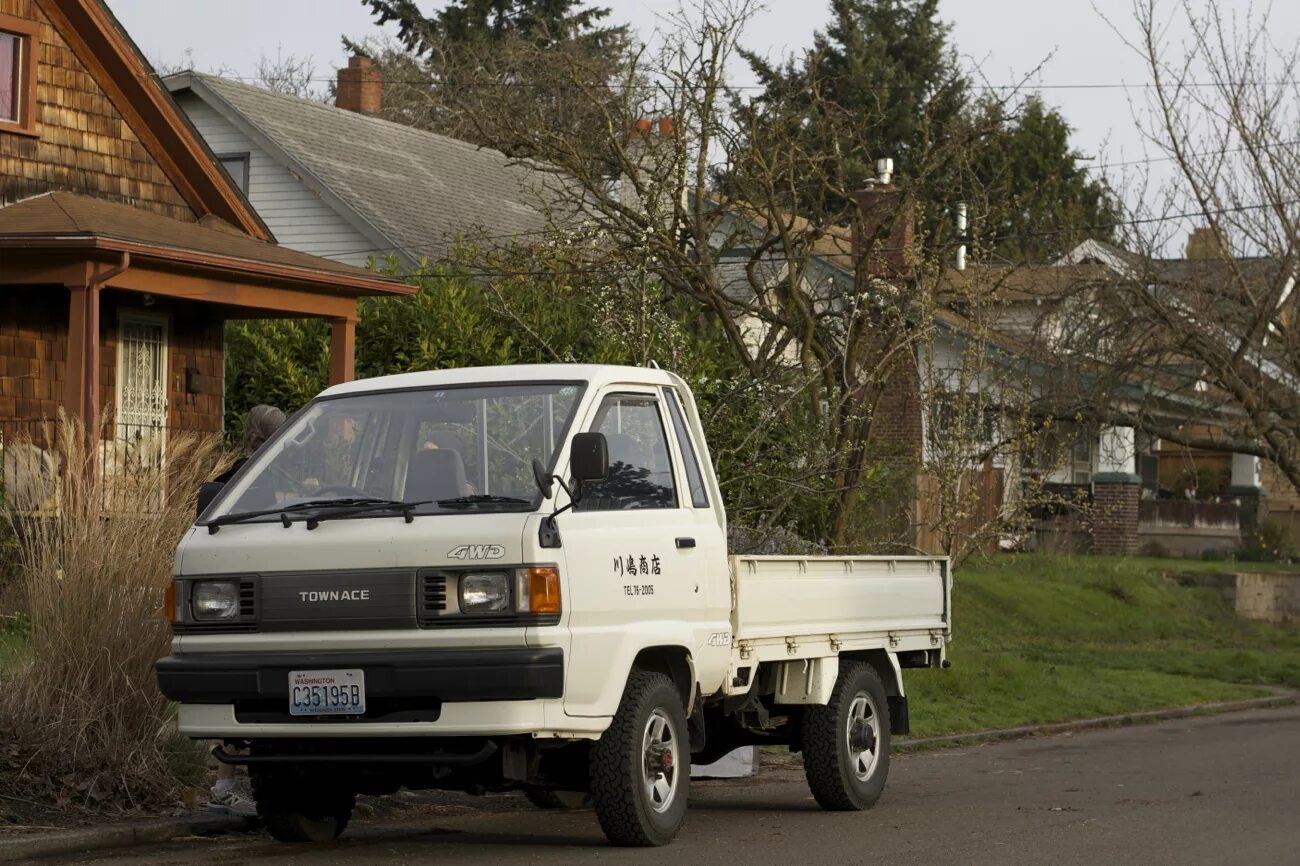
(283, 474)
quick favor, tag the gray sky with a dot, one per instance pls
(1006, 39)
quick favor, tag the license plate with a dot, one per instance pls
(327, 693)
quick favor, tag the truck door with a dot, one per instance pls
(632, 551)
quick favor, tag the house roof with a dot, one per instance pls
(409, 191)
(62, 220)
(104, 47)
(1023, 283)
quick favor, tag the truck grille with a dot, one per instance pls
(433, 597)
(247, 599)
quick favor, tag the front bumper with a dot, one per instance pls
(401, 685)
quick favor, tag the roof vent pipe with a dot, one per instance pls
(884, 171)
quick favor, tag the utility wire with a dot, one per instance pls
(1082, 229)
(473, 85)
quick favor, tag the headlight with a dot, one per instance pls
(486, 592)
(215, 599)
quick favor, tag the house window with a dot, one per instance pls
(236, 165)
(1083, 454)
(17, 75)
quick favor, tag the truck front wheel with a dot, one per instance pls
(300, 804)
(641, 765)
(846, 742)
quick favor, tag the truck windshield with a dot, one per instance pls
(469, 447)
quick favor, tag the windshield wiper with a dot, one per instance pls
(361, 506)
(482, 499)
(364, 502)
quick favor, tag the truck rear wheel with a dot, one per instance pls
(641, 765)
(846, 742)
(302, 805)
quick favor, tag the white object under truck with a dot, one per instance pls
(518, 578)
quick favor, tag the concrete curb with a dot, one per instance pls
(115, 836)
(1281, 699)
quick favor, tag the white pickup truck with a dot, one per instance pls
(517, 578)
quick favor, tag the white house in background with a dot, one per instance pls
(345, 185)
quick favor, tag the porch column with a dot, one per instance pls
(1248, 491)
(81, 378)
(1117, 451)
(1116, 491)
(343, 350)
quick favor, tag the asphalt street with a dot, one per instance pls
(1212, 790)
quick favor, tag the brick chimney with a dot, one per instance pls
(1204, 243)
(885, 233)
(360, 86)
(649, 146)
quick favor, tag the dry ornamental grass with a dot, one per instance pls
(85, 721)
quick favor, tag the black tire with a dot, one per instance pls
(545, 799)
(841, 778)
(299, 805)
(636, 803)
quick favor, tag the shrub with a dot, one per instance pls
(80, 708)
(773, 541)
(1271, 542)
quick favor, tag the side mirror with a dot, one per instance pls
(542, 479)
(589, 457)
(208, 491)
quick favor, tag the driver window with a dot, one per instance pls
(640, 472)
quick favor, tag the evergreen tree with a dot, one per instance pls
(471, 21)
(883, 70)
(1040, 201)
(884, 80)
(519, 54)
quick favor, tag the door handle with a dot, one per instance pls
(683, 543)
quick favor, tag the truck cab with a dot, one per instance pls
(503, 578)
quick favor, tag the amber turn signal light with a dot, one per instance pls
(538, 590)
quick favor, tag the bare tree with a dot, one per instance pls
(285, 73)
(1198, 344)
(289, 74)
(825, 308)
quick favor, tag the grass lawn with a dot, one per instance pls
(1044, 638)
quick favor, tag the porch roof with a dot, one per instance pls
(80, 225)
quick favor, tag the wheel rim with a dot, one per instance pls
(659, 761)
(862, 736)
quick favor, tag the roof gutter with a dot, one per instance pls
(208, 261)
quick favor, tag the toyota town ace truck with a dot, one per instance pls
(518, 578)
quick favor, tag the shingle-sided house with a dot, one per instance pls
(338, 182)
(124, 247)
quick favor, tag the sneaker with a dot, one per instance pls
(232, 802)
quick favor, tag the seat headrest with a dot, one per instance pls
(435, 473)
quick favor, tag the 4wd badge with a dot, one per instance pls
(477, 551)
